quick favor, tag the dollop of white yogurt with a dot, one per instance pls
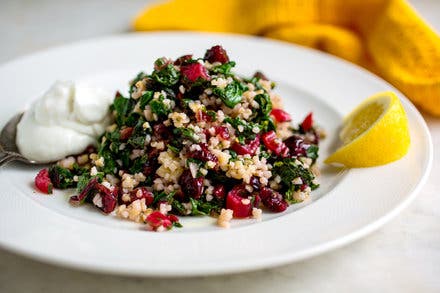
(64, 121)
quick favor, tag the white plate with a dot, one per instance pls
(351, 203)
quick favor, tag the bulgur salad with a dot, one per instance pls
(193, 138)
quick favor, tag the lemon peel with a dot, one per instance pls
(374, 133)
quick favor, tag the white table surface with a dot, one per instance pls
(402, 256)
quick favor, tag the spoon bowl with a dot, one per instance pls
(8, 148)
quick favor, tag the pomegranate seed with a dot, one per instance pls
(182, 60)
(216, 54)
(280, 115)
(156, 219)
(274, 144)
(219, 192)
(42, 181)
(273, 200)
(140, 193)
(237, 201)
(191, 187)
(125, 133)
(307, 122)
(249, 148)
(194, 71)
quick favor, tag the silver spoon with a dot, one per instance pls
(8, 148)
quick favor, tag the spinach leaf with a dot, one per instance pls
(138, 164)
(122, 106)
(145, 99)
(231, 95)
(224, 69)
(312, 152)
(187, 133)
(61, 177)
(138, 77)
(202, 208)
(167, 75)
(265, 104)
(288, 170)
(158, 107)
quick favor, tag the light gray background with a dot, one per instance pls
(403, 256)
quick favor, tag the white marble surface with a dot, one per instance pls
(402, 256)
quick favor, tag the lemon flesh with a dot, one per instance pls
(374, 133)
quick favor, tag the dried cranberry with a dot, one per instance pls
(307, 122)
(182, 60)
(249, 148)
(241, 206)
(274, 144)
(161, 131)
(194, 71)
(296, 145)
(256, 200)
(260, 75)
(191, 187)
(273, 200)
(203, 154)
(42, 181)
(108, 198)
(173, 218)
(81, 197)
(140, 193)
(222, 131)
(219, 192)
(180, 196)
(125, 133)
(280, 115)
(202, 116)
(216, 54)
(255, 182)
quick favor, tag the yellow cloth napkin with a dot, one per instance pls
(385, 36)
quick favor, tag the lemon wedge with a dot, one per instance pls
(374, 133)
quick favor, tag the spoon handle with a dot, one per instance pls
(6, 157)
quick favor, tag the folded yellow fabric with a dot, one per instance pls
(385, 36)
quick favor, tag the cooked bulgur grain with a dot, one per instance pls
(194, 138)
